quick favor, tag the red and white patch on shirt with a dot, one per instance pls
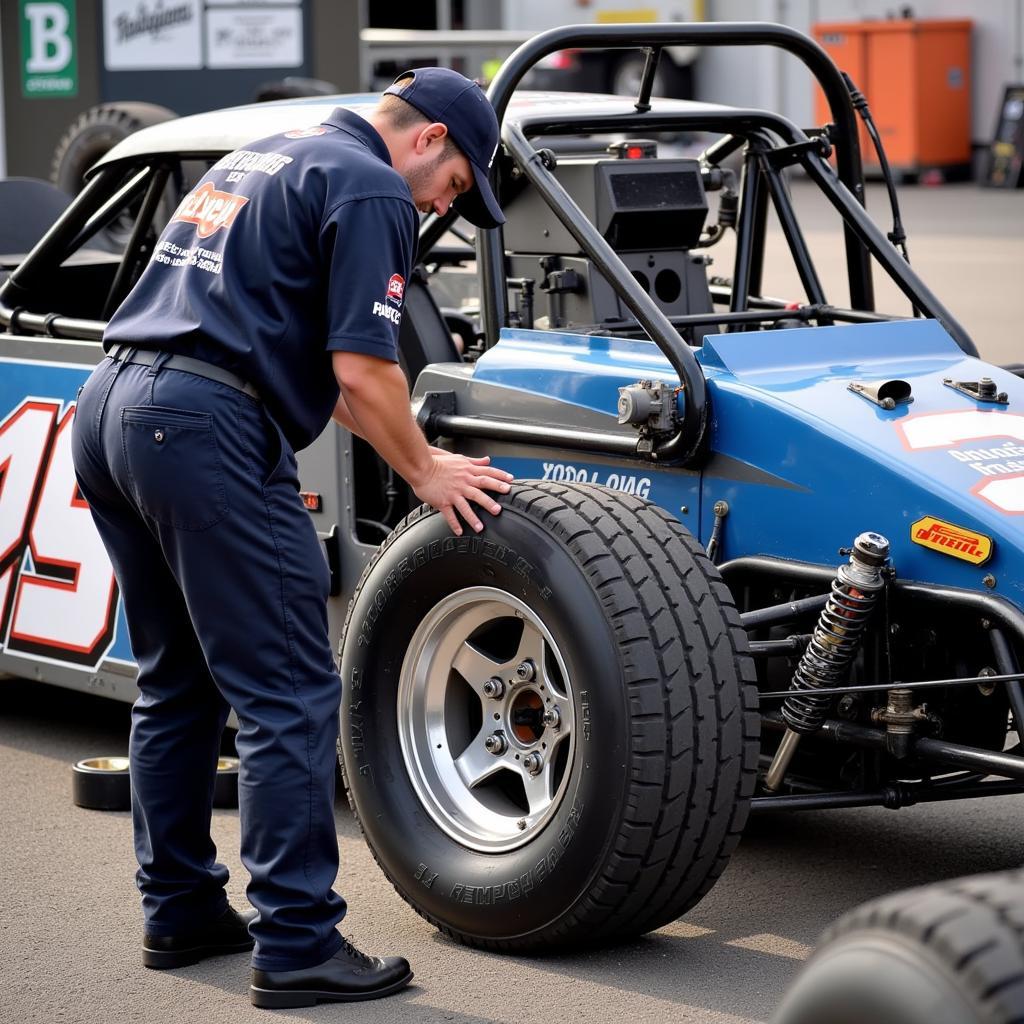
(209, 209)
(305, 133)
(396, 288)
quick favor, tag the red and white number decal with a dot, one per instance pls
(64, 604)
(951, 429)
(24, 439)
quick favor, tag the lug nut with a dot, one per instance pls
(494, 688)
(526, 670)
(551, 718)
(533, 763)
(496, 743)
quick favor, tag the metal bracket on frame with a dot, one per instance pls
(983, 390)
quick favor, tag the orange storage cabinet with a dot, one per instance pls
(916, 76)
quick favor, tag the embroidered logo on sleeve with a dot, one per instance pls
(394, 295)
(209, 209)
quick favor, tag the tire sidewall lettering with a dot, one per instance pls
(447, 877)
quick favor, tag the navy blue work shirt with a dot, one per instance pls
(287, 250)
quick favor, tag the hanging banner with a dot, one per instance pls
(251, 37)
(49, 60)
(148, 35)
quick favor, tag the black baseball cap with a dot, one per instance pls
(449, 98)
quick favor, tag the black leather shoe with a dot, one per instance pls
(348, 976)
(229, 933)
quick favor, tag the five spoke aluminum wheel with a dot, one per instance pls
(486, 719)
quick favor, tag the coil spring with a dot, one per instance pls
(833, 645)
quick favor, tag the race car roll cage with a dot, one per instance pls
(764, 160)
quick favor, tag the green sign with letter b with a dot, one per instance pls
(49, 61)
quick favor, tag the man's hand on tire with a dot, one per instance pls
(453, 481)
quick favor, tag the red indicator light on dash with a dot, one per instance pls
(635, 153)
(313, 501)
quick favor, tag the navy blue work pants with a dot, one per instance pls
(194, 491)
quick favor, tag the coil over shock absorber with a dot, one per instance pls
(832, 648)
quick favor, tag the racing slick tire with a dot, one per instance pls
(951, 953)
(94, 133)
(549, 732)
(101, 784)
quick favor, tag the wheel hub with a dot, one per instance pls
(486, 719)
(526, 715)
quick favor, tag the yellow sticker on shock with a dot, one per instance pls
(957, 541)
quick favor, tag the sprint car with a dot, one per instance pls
(760, 554)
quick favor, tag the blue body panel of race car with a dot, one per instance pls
(804, 462)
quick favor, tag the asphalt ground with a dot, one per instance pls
(70, 926)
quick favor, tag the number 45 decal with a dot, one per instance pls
(61, 602)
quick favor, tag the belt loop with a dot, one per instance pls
(124, 355)
(158, 363)
(157, 366)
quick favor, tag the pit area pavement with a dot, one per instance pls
(70, 924)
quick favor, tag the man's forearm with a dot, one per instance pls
(343, 417)
(374, 404)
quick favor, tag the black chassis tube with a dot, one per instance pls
(133, 251)
(986, 606)
(794, 236)
(490, 243)
(1006, 663)
(53, 246)
(894, 796)
(785, 612)
(720, 295)
(746, 230)
(940, 751)
(919, 294)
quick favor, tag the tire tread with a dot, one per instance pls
(670, 607)
(972, 926)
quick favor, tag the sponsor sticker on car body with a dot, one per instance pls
(957, 541)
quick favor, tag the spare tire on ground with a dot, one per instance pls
(94, 133)
(103, 783)
(950, 953)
